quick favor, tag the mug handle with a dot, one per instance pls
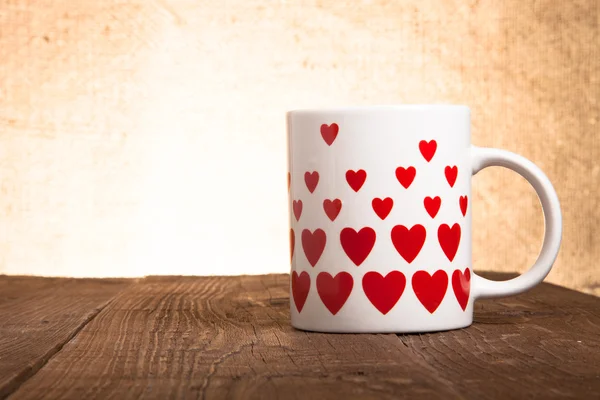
(487, 157)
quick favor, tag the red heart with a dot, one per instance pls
(451, 174)
(461, 283)
(432, 205)
(357, 245)
(406, 176)
(334, 291)
(463, 201)
(311, 179)
(428, 149)
(430, 290)
(407, 242)
(313, 245)
(449, 239)
(292, 243)
(329, 132)
(289, 181)
(300, 288)
(332, 208)
(384, 293)
(382, 207)
(297, 206)
(356, 179)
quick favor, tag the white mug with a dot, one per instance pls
(380, 214)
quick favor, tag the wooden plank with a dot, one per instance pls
(542, 344)
(217, 337)
(39, 315)
(213, 337)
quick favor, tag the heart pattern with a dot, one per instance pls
(461, 284)
(329, 133)
(382, 207)
(313, 244)
(449, 239)
(408, 242)
(430, 289)
(384, 292)
(356, 179)
(406, 176)
(432, 205)
(357, 245)
(428, 149)
(332, 208)
(297, 206)
(451, 174)
(292, 243)
(334, 291)
(300, 289)
(463, 201)
(312, 180)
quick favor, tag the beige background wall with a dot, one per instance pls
(147, 136)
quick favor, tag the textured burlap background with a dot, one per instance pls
(147, 136)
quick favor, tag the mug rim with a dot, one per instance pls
(389, 107)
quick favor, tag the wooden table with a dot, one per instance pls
(230, 337)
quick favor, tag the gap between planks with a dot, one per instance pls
(39, 364)
(40, 316)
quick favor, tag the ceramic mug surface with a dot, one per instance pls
(380, 215)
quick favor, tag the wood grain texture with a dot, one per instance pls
(38, 316)
(118, 117)
(218, 337)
